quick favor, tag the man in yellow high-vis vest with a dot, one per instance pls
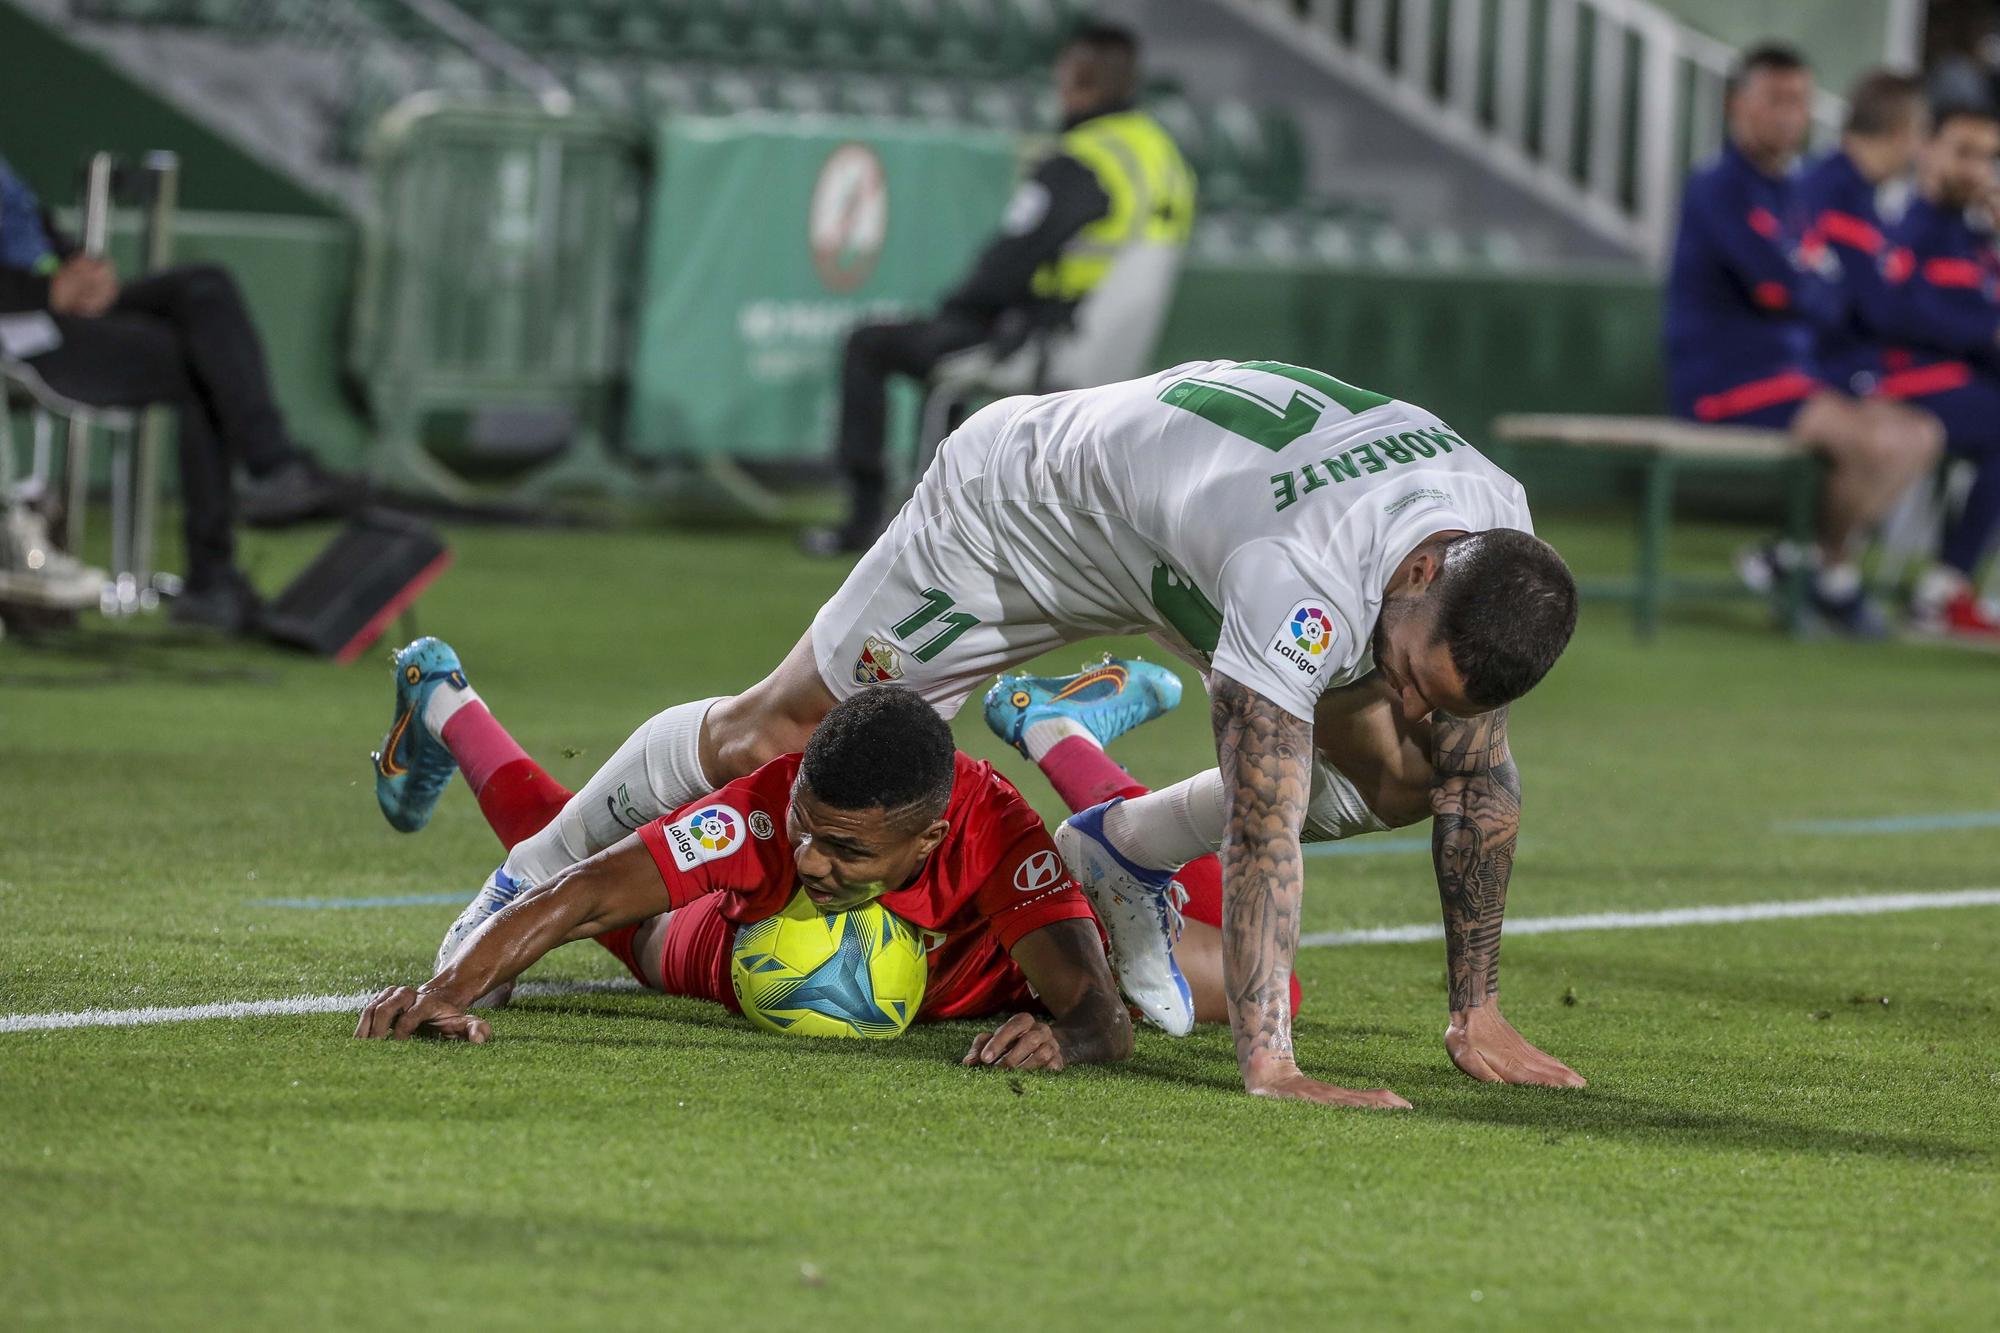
(1115, 179)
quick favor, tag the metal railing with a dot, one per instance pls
(1598, 107)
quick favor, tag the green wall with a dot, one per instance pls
(1840, 37)
(59, 102)
(1465, 346)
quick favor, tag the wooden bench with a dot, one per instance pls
(1663, 447)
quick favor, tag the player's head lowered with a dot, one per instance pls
(1473, 620)
(868, 806)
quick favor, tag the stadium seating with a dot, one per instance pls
(976, 62)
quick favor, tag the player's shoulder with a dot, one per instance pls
(985, 805)
(989, 817)
(747, 814)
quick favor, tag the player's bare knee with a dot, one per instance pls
(749, 731)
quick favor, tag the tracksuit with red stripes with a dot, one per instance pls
(1920, 324)
(1749, 284)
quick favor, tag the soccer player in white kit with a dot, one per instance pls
(1284, 531)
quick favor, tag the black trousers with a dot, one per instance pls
(183, 337)
(874, 353)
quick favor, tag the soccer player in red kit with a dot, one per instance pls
(1014, 934)
(879, 806)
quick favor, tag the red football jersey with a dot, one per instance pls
(995, 878)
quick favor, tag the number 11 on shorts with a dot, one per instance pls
(936, 608)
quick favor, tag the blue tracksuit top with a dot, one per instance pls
(1748, 285)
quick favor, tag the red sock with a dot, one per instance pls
(516, 796)
(620, 942)
(1083, 775)
(1203, 881)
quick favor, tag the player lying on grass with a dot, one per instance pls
(880, 797)
(1288, 533)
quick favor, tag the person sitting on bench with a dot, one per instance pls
(1749, 286)
(184, 338)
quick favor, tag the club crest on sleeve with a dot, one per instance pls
(1043, 870)
(760, 826)
(707, 834)
(880, 662)
(1303, 639)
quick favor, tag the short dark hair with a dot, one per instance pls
(1113, 39)
(1773, 56)
(1951, 111)
(1508, 608)
(885, 748)
(1881, 100)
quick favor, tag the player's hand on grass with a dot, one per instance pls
(1487, 1047)
(1022, 1042)
(403, 1012)
(1281, 1079)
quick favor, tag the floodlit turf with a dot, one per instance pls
(1789, 1124)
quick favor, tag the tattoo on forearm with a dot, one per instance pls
(1265, 754)
(1476, 816)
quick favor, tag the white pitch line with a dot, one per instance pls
(1722, 914)
(1871, 904)
(295, 1004)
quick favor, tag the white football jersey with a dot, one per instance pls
(1246, 514)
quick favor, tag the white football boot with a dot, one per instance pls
(1140, 910)
(499, 890)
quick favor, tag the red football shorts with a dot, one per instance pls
(694, 952)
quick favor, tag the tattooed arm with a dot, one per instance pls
(1266, 759)
(1476, 816)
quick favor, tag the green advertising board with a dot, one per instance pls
(768, 238)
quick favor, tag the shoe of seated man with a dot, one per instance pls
(1962, 617)
(1107, 698)
(220, 600)
(1848, 612)
(299, 490)
(413, 766)
(1140, 910)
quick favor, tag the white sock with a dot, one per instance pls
(1841, 581)
(1166, 829)
(445, 701)
(1041, 737)
(1938, 585)
(656, 770)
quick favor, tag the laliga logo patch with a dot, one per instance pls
(1043, 870)
(706, 835)
(1305, 638)
(1311, 630)
(878, 664)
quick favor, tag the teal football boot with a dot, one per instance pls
(412, 767)
(1108, 699)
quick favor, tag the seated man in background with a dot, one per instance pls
(181, 337)
(1919, 323)
(1749, 286)
(1950, 284)
(1116, 178)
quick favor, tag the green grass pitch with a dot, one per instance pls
(1789, 1124)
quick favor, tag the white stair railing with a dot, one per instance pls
(1598, 107)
